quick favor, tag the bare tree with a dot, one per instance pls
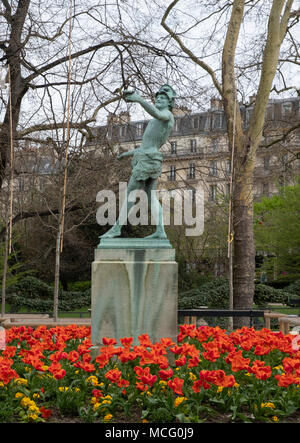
(34, 45)
(279, 18)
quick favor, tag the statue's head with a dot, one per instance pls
(168, 91)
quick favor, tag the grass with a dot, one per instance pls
(83, 312)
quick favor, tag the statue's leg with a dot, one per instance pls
(115, 230)
(156, 210)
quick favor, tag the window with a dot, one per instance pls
(285, 162)
(228, 166)
(122, 131)
(192, 171)
(195, 122)
(249, 114)
(193, 145)
(215, 145)
(287, 108)
(267, 162)
(172, 175)
(41, 184)
(173, 147)
(21, 184)
(265, 188)
(218, 121)
(213, 192)
(176, 125)
(213, 170)
(139, 129)
(270, 112)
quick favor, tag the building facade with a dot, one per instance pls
(196, 156)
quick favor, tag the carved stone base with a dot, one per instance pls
(134, 291)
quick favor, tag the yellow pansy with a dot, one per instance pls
(108, 417)
(192, 376)
(26, 402)
(106, 402)
(33, 416)
(63, 388)
(268, 405)
(179, 400)
(21, 381)
(96, 406)
(93, 380)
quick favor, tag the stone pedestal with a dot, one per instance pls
(134, 290)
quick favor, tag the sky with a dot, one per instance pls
(200, 29)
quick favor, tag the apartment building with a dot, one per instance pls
(196, 156)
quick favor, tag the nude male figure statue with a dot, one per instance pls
(147, 159)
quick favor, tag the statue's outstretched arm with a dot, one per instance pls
(163, 115)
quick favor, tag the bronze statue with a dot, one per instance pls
(147, 159)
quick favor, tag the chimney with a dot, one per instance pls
(112, 119)
(252, 99)
(181, 111)
(124, 118)
(216, 104)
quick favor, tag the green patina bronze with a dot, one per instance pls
(147, 160)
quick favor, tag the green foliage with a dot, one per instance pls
(31, 287)
(189, 279)
(266, 294)
(212, 294)
(36, 295)
(80, 286)
(294, 288)
(277, 232)
(215, 294)
(14, 268)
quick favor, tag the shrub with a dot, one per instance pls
(36, 295)
(31, 287)
(209, 294)
(80, 286)
(266, 294)
(294, 288)
(215, 294)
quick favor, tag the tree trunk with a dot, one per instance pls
(16, 82)
(56, 273)
(4, 275)
(244, 248)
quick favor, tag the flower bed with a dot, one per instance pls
(208, 375)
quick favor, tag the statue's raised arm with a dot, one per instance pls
(163, 103)
(147, 159)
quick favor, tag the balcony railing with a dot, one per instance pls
(183, 152)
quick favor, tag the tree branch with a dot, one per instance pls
(229, 92)
(62, 125)
(87, 51)
(187, 51)
(276, 32)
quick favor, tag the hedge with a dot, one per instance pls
(215, 294)
(34, 294)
